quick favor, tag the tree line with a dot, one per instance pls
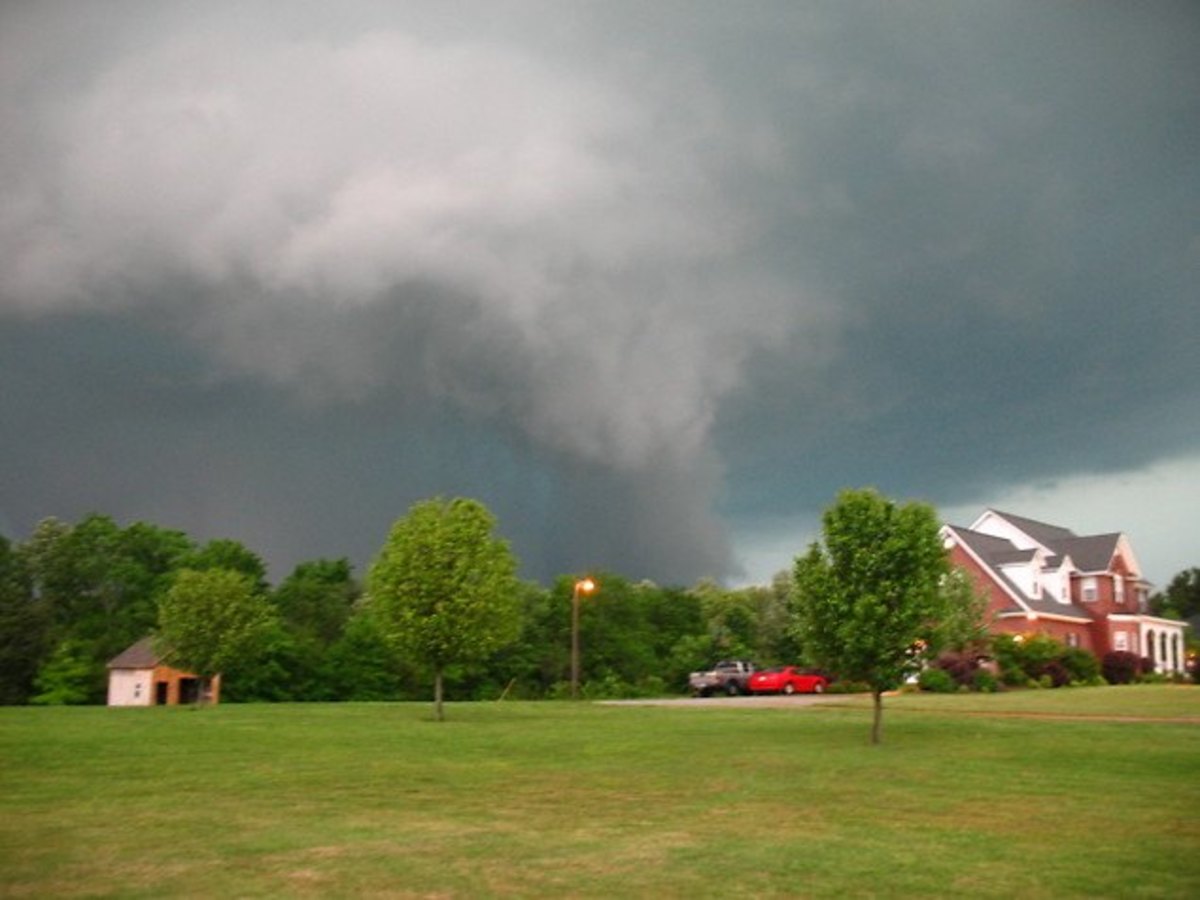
(873, 602)
(74, 595)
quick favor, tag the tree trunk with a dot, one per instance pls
(438, 712)
(877, 725)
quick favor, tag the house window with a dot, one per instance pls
(1119, 589)
(1072, 639)
(1121, 641)
(1089, 589)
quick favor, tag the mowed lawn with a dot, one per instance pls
(965, 797)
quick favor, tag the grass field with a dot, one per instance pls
(969, 795)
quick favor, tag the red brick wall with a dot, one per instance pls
(1085, 637)
(1106, 603)
(997, 599)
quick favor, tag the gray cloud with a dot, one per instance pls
(631, 273)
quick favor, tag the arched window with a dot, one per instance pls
(1150, 645)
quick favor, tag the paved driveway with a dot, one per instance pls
(761, 701)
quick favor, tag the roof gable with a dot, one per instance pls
(1089, 553)
(997, 556)
(1038, 532)
(141, 655)
(1092, 553)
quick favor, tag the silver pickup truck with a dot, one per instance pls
(729, 676)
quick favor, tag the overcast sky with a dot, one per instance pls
(654, 280)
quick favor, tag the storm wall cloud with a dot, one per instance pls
(635, 276)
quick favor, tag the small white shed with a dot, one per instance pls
(139, 677)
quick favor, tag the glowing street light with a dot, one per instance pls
(583, 587)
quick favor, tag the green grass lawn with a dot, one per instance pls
(554, 798)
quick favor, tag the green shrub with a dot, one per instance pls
(985, 682)
(937, 681)
(1040, 660)
(1081, 665)
(848, 687)
(607, 687)
(68, 677)
(1014, 676)
(1040, 655)
(1006, 650)
(560, 690)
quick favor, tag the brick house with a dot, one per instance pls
(138, 676)
(1086, 591)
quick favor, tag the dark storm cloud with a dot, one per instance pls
(628, 272)
(1015, 256)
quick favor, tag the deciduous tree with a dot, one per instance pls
(964, 625)
(23, 627)
(1182, 597)
(98, 585)
(226, 553)
(869, 602)
(445, 587)
(316, 599)
(211, 619)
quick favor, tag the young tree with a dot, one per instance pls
(445, 588)
(869, 602)
(211, 619)
(67, 676)
(965, 623)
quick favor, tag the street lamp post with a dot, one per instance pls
(583, 586)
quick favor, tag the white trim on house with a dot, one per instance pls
(1054, 617)
(1024, 576)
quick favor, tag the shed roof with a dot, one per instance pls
(141, 655)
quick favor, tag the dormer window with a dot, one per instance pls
(1119, 589)
(1089, 589)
